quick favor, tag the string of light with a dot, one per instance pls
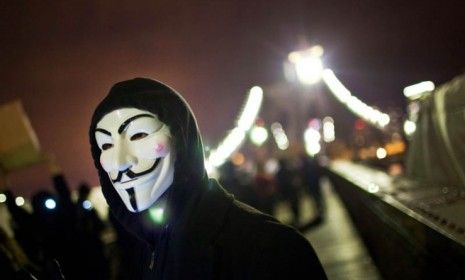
(236, 136)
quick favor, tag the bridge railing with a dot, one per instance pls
(412, 230)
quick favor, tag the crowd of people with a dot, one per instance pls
(285, 181)
(63, 236)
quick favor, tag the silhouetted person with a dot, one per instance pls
(311, 173)
(264, 189)
(288, 181)
(89, 228)
(24, 226)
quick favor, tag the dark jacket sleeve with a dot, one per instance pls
(299, 260)
(257, 246)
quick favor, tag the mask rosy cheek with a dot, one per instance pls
(159, 148)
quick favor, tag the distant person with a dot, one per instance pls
(264, 186)
(237, 183)
(288, 181)
(89, 228)
(149, 156)
(312, 173)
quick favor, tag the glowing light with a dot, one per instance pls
(236, 136)
(416, 90)
(313, 148)
(328, 130)
(280, 136)
(251, 108)
(381, 153)
(271, 166)
(238, 159)
(19, 201)
(409, 127)
(50, 203)
(355, 105)
(373, 188)
(156, 214)
(312, 138)
(312, 135)
(229, 145)
(395, 147)
(258, 135)
(2, 198)
(86, 204)
(308, 65)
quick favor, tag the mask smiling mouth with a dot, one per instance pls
(132, 175)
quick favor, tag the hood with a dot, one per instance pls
(190, 178)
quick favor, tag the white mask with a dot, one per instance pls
(137, 155)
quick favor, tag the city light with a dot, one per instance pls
(417, 90)
(236, 136)
(258, 135)
(409, 127)
(373, 188)
(251, 108)
(19, 201)
(280, 136)
(381, 153)
(308, 64)
(312, 141)
(328, 130)
(2, 198)
(50, 203)
(355, 105)
(86, 204)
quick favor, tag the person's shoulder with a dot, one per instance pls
(274, 246)
(264, 227)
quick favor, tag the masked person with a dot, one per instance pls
(148, 152)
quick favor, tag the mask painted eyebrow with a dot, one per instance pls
(128, 121)
(103, 131)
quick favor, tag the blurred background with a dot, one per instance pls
(304, 107)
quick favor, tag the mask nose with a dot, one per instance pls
(123, 158)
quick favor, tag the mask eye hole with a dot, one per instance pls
(138, 136)
(107, 146)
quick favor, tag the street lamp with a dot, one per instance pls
(307, 64)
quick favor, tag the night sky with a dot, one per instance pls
(60, 59)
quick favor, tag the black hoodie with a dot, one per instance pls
(206, 234)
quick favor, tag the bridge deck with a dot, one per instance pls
(336, 241)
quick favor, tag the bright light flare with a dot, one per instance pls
(416, 90)
(280, 136)
(308, 64)
(258, 135)
(409, 127)
(2, 198)
(381, 153)
(312, 141)
(50, 204)
(86, 204)
(328, 130)
(19, 201)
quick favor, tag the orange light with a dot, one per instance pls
(394, 148)
(238, 159)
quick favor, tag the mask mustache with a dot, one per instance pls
(129, 173)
